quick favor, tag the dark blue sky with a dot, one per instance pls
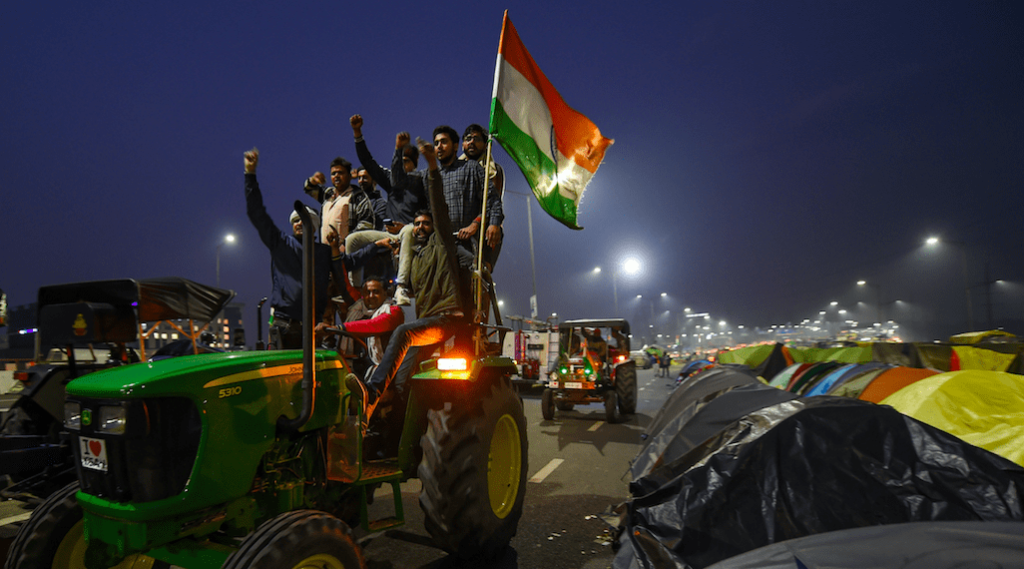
(767, 155)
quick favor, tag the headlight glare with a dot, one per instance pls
(112, 419)
(72, 415)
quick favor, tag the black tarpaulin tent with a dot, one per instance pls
(919, 545)
(805, 467)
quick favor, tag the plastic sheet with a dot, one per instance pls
(931, 545)
(806, 467)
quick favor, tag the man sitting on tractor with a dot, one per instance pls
(440, 287)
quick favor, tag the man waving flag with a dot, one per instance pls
(557, 148)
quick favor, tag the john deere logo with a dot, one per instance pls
(86, 417)
(79, 325)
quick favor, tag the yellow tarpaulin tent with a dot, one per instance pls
(984, 408)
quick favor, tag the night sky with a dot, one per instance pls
(767, 154)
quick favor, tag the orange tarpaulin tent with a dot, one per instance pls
(893, 380)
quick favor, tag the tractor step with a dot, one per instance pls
(384, 523)
(381, 472)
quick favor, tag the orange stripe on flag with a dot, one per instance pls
(576, 137)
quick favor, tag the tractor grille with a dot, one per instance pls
(153, 459)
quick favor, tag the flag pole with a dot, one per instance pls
(482, 233)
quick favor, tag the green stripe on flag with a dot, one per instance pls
(538, 168)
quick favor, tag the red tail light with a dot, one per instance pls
(21, 376)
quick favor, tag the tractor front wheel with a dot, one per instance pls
(611, 402)
(625, 388)
(547, 404)
(299, 540)
(474, 472)
(54, 538)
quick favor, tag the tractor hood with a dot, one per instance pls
(190, 375)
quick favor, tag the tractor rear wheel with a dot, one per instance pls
(297, 540)
(547, 404)
(474, 472)
(625, 388)
(611, 402)
(54, 538)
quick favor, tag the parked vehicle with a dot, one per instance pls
(590, 370)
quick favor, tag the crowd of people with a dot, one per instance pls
(415, 245)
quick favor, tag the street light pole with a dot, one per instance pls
(967, 285)
(229, 238)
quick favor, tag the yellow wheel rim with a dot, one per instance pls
(504, 461)
(70, 553)
(321, 561)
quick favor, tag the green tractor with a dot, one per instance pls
(257, 460)
(592, 370)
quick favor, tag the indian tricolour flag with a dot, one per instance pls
(557, 148)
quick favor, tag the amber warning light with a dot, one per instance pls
(452, 364)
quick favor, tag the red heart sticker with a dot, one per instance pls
(95, 447)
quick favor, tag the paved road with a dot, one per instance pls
(559, 528)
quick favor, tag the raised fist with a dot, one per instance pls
(401, 139)
(251, 158)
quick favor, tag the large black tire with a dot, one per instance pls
(611, 412)
(54, 538)
(299, 538)
(474, 473)
(625, 388)
(547, 404)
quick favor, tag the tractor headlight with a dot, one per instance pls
(72, 415)
(112, 419)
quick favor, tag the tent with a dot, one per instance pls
(782, 379)
(842, 375)
(935, 545)
(855, 386)
(891, 381)
(809, 380)
(696, 421)
(984, 408)
(804, 467)
(802, 377)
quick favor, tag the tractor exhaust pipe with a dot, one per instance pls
(308, 322)
(260, 345)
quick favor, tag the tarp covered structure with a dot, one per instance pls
(932, 545)
(168, 298)
(892, 381)
(841, 376)
(699, 409)
(804, 467)
(984, 408)
(153, 300)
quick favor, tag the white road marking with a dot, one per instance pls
(548, 469)
(595, 426)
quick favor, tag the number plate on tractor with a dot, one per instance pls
(573, 385)
(94, 453)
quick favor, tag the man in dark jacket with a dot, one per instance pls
(285, 264)
(441, 289)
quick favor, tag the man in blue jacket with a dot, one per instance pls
(285, 264)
